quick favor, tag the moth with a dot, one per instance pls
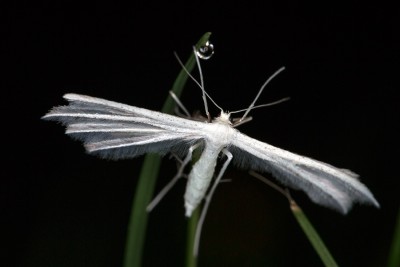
(117, 131)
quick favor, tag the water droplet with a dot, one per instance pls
(205, 51)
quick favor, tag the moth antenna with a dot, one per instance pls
(261, 90)
(187, 72)
(199, 84)
(262, 105)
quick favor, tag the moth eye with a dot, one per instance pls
(205, 51)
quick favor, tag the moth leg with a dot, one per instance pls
(180, 104)
(207, 201)
(178, 175)
(236, 121)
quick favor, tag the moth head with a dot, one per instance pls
(224, 118)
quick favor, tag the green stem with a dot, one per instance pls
(137, 225)
(312, 236)
(191, 260)
(394, 255)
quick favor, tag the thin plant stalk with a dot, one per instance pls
(191, 260)
(136, 232)
(312, 235)
(308, 229)
(394, 255)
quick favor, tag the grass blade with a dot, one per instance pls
(394, 255)
(305, 224)
(137, 225)
(191, 260)
(312, 235)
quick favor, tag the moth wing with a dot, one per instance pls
(116, 131)
(323, 183)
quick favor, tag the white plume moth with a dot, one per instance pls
(118, 131)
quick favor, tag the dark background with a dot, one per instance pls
(62, 207)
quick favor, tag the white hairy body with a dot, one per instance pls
(218, 135)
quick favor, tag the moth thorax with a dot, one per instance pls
(224, 118)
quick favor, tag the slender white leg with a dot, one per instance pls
(202, 84)
(237, 122)
(179, 103)
(207, 201)
(178, 175)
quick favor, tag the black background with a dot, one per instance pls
(62, 207)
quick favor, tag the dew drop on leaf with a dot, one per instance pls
(205, 51)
